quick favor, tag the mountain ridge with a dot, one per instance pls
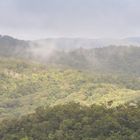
(120, 59)
(89, 42)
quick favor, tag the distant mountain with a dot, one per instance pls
(73, 43)
(83, 54)
(10, 46)
(133, 40)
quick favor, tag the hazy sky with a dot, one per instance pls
(33, 19)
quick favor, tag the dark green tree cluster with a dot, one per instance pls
(75, 122)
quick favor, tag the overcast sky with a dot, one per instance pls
(34, 19)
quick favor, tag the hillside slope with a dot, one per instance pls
(26, 85)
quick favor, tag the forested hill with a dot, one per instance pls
(26, 85)
(49, 93)
(112, 59)
(10, 46)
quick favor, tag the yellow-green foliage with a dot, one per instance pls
(26, 85)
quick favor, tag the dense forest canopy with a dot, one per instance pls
(75, 122)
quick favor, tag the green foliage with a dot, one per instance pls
(75, 122)
(24, 86)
